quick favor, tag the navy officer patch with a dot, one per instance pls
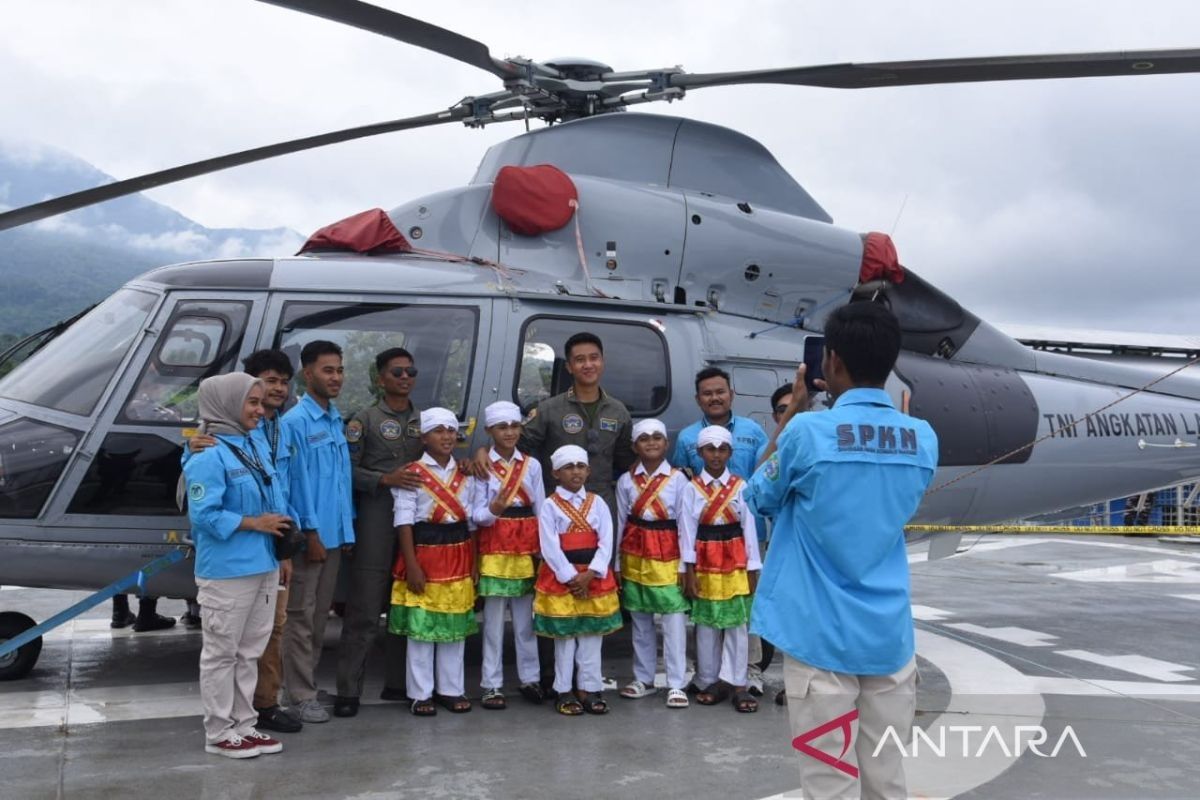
(572, 423)
(607, 424)
(354, 431)
(390, 429)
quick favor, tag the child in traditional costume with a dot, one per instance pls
(575, 600)
(433, 596)
(505, 507)
(720, 548)
(649, 565)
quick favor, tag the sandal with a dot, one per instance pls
(533, 692)
(593, 703)
(455, 705)
(677, 698)
(493, 700)
(717, 693)
(423, 708)
(568, 705)
(744, 702)
(635, 690)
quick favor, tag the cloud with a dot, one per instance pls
(1069, 200)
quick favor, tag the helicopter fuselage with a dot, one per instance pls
(712, 256)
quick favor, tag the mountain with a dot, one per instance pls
(51, 269)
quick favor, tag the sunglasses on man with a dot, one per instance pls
(400, 372)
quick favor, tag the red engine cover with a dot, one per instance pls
(369, 232)
(534, 200)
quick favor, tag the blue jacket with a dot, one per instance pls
(319, 471)
(834, 591)
(268, 437)
(221, 491)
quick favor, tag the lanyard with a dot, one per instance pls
(272, 426)
(253, 463)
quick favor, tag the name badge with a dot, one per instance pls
(319, 436)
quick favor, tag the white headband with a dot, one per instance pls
(716, 435)
(501, 411)
(568, 454)
(644, 427)
(432, 418)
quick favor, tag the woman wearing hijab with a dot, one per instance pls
(235, 504)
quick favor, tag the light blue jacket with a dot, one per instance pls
(221, 491)
(843, 483)
(319, 471)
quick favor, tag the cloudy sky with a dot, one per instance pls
(1053, 202)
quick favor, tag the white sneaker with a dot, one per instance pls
(234, 747)
(312, 711)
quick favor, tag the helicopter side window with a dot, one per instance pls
(636, 370)
(70, 373)
(201, 339)
(441, 339)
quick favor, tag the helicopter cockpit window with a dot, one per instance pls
(201, 339)
(441, 339)
(635, 359)
(71, 372)
(32, 457)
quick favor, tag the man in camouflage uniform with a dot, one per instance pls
(383, 439)
(584, 415)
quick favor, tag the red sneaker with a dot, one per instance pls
(266, 745)
(234, 747)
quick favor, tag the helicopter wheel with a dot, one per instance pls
(17, 664)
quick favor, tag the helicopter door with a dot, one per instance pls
(443, 336)
(129, 464)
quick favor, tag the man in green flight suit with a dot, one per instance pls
(383, 439)
(584, 415)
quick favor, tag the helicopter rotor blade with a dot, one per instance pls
(403, 28)
(957, 70)
(111, 191)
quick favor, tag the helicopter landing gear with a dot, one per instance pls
(18, 663)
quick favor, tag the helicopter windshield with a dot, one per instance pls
(71, 372)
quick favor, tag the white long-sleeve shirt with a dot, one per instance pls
(553, 523)
(691, 506)
(486, 491)
(628, 493)
(411, 506)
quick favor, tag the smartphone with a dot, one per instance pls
(814, 352)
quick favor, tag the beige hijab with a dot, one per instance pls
(221, 400)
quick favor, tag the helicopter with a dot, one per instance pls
(680, 243)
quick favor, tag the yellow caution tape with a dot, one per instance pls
(1128, 530)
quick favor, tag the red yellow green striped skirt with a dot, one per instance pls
(722, 586)
(650, 567)
(506, 551)
(560, 615)
(445, 611)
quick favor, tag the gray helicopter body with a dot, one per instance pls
(671, 255)
(690, 245)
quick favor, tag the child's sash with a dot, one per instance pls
(649, 498)
(718, 507)
(512, 479)
(447, 507)
(577, 516)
